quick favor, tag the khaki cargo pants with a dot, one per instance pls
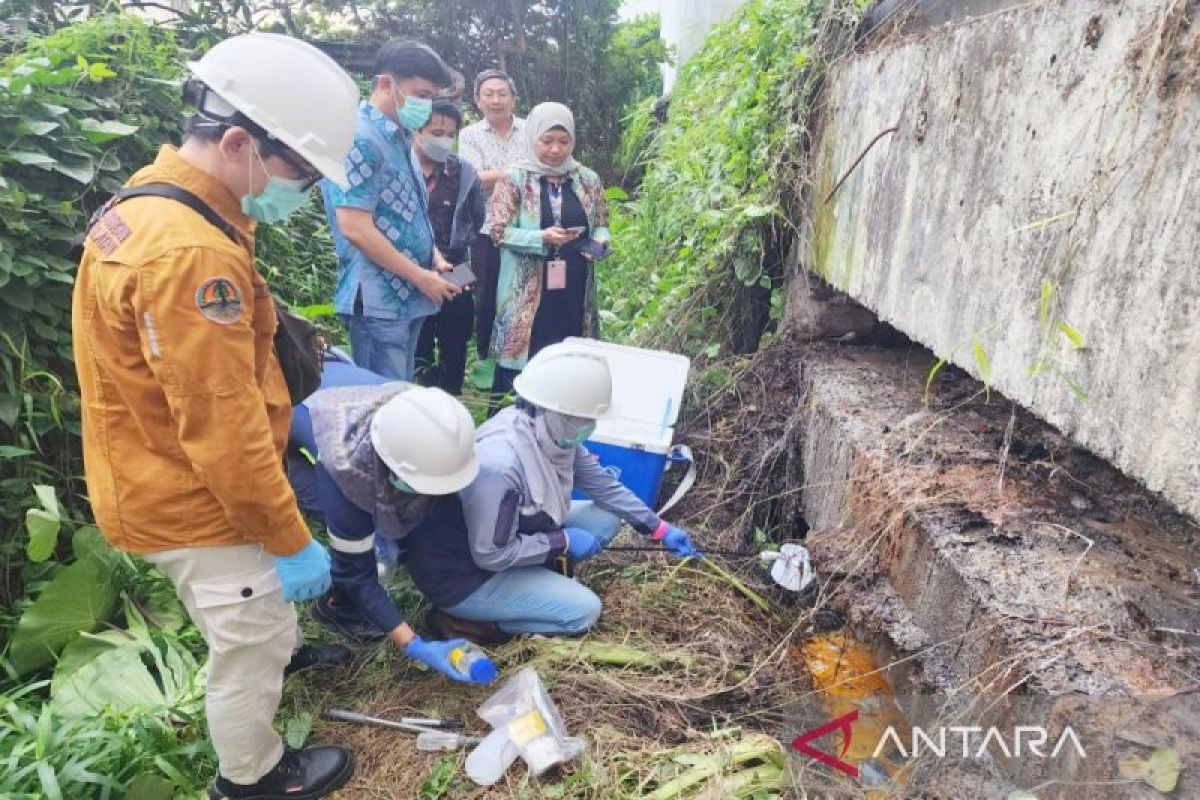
(235, 598)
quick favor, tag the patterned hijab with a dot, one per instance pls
(545, 117)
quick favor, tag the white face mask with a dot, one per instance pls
(437, 148)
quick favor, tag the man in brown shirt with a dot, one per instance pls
(185, 410)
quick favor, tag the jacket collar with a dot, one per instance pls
(385, 124)
(170, 167)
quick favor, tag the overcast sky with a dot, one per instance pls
(631, 8)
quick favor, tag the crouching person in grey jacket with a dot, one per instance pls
(490, 579)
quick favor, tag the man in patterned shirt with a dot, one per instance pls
(389, 277)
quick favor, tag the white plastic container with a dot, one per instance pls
(636, 443)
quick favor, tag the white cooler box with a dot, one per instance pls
(635, 444)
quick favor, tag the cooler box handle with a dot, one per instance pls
(680, 454)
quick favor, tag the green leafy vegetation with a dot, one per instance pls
(699, 249)
(101, 685)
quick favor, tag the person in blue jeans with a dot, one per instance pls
(371, 459)
(389, 269)
(482, 561)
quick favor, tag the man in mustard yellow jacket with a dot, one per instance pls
(185, 410)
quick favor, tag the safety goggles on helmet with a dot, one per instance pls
(202, 97)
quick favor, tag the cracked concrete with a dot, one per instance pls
(1033, 218)
(1065, 582)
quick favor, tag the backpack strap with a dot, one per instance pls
(167, 190)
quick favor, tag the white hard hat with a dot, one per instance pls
(568, 379)
(291, 90)
(427, 438)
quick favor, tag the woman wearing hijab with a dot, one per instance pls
(540, 212)
(483, 562)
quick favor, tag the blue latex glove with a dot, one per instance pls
(436, 655)
(679, 543)
(581, 544)
(305, 575)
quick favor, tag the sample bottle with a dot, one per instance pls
(474, 663)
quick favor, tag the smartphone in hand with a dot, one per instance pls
(579, 231)
(461, 276)
(596, 251)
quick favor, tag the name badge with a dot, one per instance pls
(556, 274)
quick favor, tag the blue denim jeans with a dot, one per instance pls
(536, 599)
(384, 346)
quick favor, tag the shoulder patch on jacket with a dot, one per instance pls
(220, 301)
(109, 231)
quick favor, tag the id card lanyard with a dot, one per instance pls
(556, 203)
(556, 267)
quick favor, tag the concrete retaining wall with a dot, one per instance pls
(1040, 193)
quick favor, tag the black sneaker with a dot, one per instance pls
(447, 626)
(300, 775)
(345, 621)
(318, 655)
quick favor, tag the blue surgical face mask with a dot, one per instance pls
(581, 436)
(414, 112)
(278, 200)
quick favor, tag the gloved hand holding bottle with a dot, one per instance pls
(305, 574)
(437, 655)
(581, 544)
(676, 540)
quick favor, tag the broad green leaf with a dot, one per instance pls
(103, 131)
(30, 158)
(110, 161)
(115, 679)
(78, 598)
(98, 72)
(1072, 334)
(10, 410)
(86, 647)
(18, 295)
(43, 530)
(89, 542)
(48, 499)
(82, 171)
(483, 374)
(298, 728)
(37, 127)
(150, 786)
(8, 451)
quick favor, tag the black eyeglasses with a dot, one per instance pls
(270, 146)
(307, 172)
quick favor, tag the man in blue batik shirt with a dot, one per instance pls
(389, 277)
